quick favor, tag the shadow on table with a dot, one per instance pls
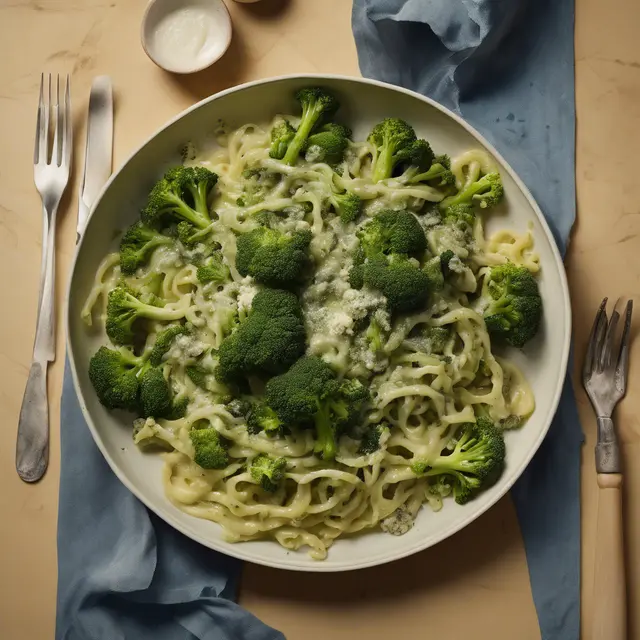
(226, 72)
(266, 9)
(458, 558)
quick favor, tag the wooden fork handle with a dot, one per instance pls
(610, 592)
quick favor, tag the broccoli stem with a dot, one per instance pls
(310, 116)
(196, 218)
(325, 439)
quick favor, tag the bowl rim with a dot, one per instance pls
(238, 551)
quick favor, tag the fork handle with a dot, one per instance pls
(32, 447)
(610, 593)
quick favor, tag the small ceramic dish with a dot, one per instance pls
(185, 36)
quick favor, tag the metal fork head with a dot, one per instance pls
(52, 162)
(606, 365)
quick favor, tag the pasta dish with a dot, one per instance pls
(304, 325)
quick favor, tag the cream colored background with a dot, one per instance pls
(484, 566)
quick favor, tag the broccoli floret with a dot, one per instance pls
(163, 343)
(282, 133)
(392, 232)
(476, 462)
(437, 270)
(262, 417)
(328, 144)
(396, 143)
(487, 191)
(213, 270)
(210, 449)
(268, 472)
(318, 106)
(404, 285)
(370, 442)
(348, 206)
(515, 308)
(437, 338)
(189, 235)
(270, 340)
(156, 397)
(439, 170)
(137, 245)
(273, 258)
(114, 376)
(309, 393)
(257, 183)
(461, 215)
(198, 375)
(182, 194)
(374, 336)
(123, 309)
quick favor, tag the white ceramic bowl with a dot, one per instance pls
(364, 102)
(185, 36)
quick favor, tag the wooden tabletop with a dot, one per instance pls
(483, 566)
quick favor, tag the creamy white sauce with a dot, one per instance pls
(189, 37)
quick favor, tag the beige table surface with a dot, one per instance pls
(484, 566)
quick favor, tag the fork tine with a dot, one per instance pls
(58, 134)
(68, 129)
(587, 367)
(607, 357)
(622, 366)
(42, 126)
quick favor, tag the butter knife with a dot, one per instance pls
(99, 148)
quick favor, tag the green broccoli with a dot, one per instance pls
(156, 397)
(392, 232)
(515, 307)
(198, 375)
(123, 309)
(474, 464)
(213, 270)
(487, 191)
(182, 194)
(328, 144)
(370, 442)
(461, 215)
(256, 185)
(437, 270)
(262, 417)
(272, 257)
(268, 472)
(210, 451)
(404, 285)
(189, 235)
(396, 144)
(374, 335)
(439, 170)
(282, 133)
(347, 205)
(163, 343)
(270, 340)
(437, 338)
(310, 393)
(137, 245)
(114, 376)
(318, 106)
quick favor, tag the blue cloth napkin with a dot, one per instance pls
(124, 574)
(507, 67)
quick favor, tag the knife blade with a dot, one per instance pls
(99, 148)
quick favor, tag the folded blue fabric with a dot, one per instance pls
(507, 67)
(124, 574)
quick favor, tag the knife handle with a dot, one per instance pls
(32, 448)
(610, 593)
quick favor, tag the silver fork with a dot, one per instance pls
(604, 376)
(51, 173)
